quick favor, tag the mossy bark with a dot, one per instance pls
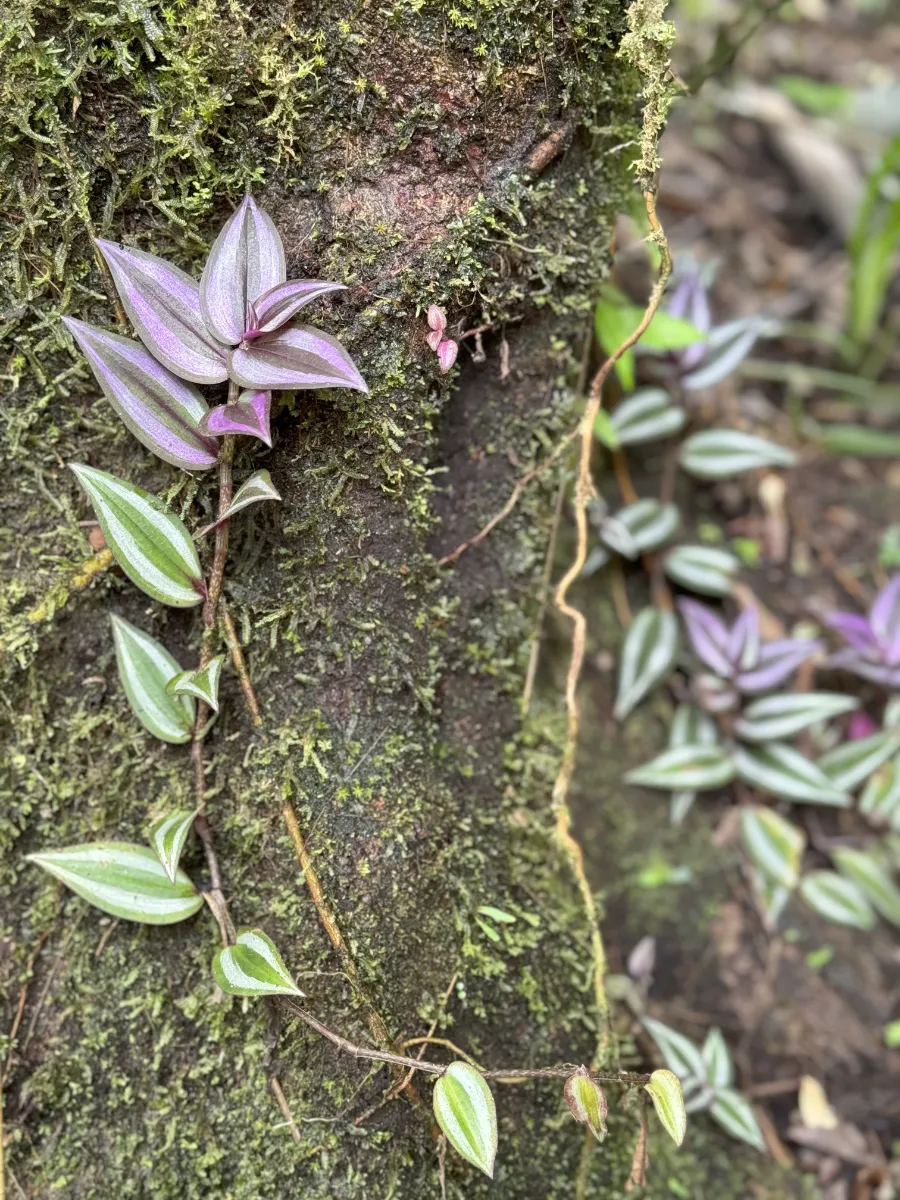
(470, 156)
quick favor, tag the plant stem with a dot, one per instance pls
(239, 663)
(510, 1074)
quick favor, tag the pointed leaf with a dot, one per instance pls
(163, 304)
(703, 569)
(246, 261)
(849, 763)
(724, 453)
(680, 804)
(871, 877)
(680, 1054)
(168, 836)
(690, 725)
(587, 1102)
(668, 1100)
(837, 899)
(772, 896)
(651, 645)
(258, 487)
(253, 967)
(708, 635)
(281, 303)
(719, 1067)
(777, 660)
(880, 798)
(151, 545)
(649, 523)
(774, 844)
(202, 683)
(782, 771)
(735, 1114)
(691, 768)
(647, 416)
(295, 358)
(161, 410)
(146, 668)
(125, 880)
(464, 1109)
(778, 717)
(617, 537)
(249, 415)
(726, 348)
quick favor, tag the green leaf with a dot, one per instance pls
(647, 416)
(587, 1102)
(702, 569)
(870, 876)
(648, 654)
(690, 726)
(151, 545)
(860, 441)
(849, 763)
(464, 1109)
(202, 682)
(774, 844)
(146, 668)
(167, 837)
(724, 453)
(613, 323)
(122, 879)
(735, 1115)
(668, 1100)
(694, 768)
(719, 1067)
(777, 717)
(253, 967)
(880, 798)
(253, 490)
(649, 523)
(837, 899)
(605, 431)
(782, 771)
(679, 1052)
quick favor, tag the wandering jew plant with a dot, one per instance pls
(237, 326)
(738, 716)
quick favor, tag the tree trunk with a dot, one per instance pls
(469, 157)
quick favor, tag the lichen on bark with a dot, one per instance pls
(467, 156)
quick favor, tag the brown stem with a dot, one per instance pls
(374, 1020)
(584, 492)
(217, 575)
(239, 663)
(430, 1068)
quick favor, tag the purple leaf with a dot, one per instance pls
(161, 410)
(447, 352)
(434, 339)
(708, 634)
(850, 660)
(248, 415)
(690, 302)
(247, 259)
(743, 641)
(726, 348)
(777, 660)
(281, 304)
(295, 358)
(884, 615)
(857, 631)
(163, 304)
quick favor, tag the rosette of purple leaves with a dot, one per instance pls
(873, 642)
(737, 655)
(238, 323)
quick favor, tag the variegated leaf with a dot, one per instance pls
(716, 1056)
(649, 523)
(871, 877)
(464, 1109)
(668, 1100)
(146, 668)
(724, 453)
(161, 410)
(253, 490)
(203, 683)
(648, 653)
(849, 763)
(837, 899)
(880, 798)
(125, 880)
(706, 570)
(253, 967)
(151, 545)
(774, 844)
(680, 1053)
(782, 771)
(735, 1114)
(587, 1102)
(693, 768)
(168, 836)
(690, 726)
(778, 717)
(246, 262)
(647, 416)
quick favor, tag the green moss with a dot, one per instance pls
(392, 149)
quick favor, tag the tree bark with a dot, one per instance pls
(469, 157)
